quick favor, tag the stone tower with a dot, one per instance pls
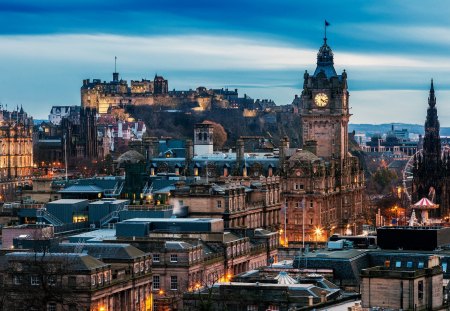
(431, 168)
(203, 139)
(324, 107)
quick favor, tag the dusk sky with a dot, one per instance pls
(390, 49)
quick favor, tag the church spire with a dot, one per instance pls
(432, 97)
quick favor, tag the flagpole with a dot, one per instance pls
(285, 223)
(303, 223)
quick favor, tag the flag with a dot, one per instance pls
(327, 23)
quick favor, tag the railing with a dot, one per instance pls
(42, 213)
(111, 216)
(116, 190)
(150, 207)
(147, 189)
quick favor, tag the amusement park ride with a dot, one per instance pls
(424, 205)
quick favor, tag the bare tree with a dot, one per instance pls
(33, 281)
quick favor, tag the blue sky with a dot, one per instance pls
(390, 49)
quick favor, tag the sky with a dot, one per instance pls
(390, 49)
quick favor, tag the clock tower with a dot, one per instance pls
(324, 108)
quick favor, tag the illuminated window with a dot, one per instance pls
(51, 307)
(420, 265)
(398, 264)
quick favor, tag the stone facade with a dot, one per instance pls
(323, 183)
(76, 281)
(16, 151)
(403, 289)
(253, 203)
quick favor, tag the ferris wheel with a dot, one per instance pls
(408, 174)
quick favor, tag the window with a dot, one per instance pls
(444, 266)
(398, 264)
(420, 290)
(173, 282)
(51, 280)
(72, 281)
(17, 280)
(51, 307)
(156, 282)
(35, 280)
(409, 264)
(100, 279)
(273, 308)
(420, 265)
(311, 204)
(219, 204)
(107, 276)
(141, 266)
(93, 280)
(155, 257)
(173, 258)
(252, 308)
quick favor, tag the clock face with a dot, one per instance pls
(321, 99)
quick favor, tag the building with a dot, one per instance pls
(322, 183)
(191, 253)
(77, 277)
(403, 288)
(253, 203)
(16, 153)
(431, 170)
(284, 295)
(57, 113)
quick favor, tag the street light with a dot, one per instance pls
(318, 232)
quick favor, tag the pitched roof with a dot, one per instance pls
(104, 250)
(72, 261)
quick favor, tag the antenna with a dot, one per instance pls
(115, 63)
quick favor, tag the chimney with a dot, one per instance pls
(240, 151)
(323, 296)
(189, 150)
(284, 146)
(311, 146)
(310, 300)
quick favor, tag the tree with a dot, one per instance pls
(33, 281)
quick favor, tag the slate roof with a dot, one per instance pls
(303, 155)
(75, 261)
(104, 250)
(176, 245)
(82, 189)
